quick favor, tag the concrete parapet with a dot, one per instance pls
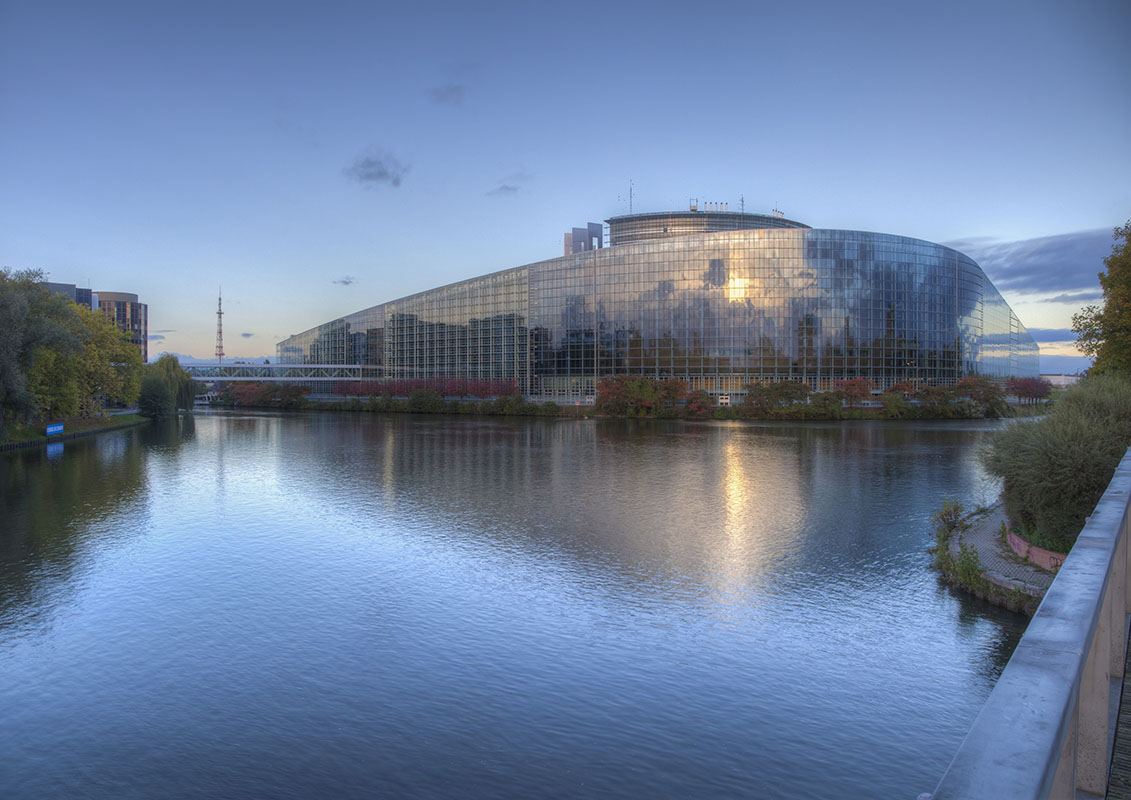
(1045, 730)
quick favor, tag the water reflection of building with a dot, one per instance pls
(717, 298)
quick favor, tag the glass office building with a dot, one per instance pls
(716, 298)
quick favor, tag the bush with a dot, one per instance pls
(1054, 470)
(426, 401)
(155, 400)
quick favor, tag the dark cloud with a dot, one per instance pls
(156, 337)
(1062, 263)
(247, 335)
(345, 280)
(511, 183)
(375, 168)
(1076, 299)
(450, 94)
(1052, 334)
(166, 330)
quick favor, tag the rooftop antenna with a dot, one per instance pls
(742, 203)
(219, 326)
(630, 195)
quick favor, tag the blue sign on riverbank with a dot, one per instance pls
(55, 428)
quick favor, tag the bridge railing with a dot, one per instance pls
(283, 372)
(1045, 731)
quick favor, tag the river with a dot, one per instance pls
(355, 606)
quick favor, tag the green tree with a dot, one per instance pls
(181, 385)
(1105, 333)
(32, 320)
(109, 366)
(53, 381)
(155, 401)
(828, 404)
(765, 399)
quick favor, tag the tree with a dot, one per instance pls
(109, 365)
(828, 404)
(901, 388)
(699, 404)
(33, 320)
(53, 382)
(855, 390)
(1031, 389)
(181, 385)
(1105, 333)
(766, 398)
(155, 401)
(986, 394)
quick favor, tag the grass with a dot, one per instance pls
(18, 434)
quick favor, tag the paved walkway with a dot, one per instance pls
(999, 563)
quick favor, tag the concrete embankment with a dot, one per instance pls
(1020, 584)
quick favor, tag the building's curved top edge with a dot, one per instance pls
(703, 214)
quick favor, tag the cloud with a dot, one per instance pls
(450, 94)
(1074, 299)
(247, 335)
(374, 168)
(156, 337)
(1061, 263)
(510, 184)
(345, 280)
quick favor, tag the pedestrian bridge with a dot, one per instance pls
(1048, 728)
(283, 372)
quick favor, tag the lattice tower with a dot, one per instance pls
(219, 328)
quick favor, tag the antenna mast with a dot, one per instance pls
(219, 327)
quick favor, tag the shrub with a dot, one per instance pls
(425, 401)
(968, 567)
(949, 515)
(1054, 470)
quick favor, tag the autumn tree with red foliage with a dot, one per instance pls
(1028, 389)
(903, 387)
(855, 390)
(445, 387)
(638, 396)
(264, 395)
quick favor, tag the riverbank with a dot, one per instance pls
(517, 406)
(978, 559)
(27, 436)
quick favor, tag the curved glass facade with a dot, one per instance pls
(720, 310)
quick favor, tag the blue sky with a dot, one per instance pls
(318, 158)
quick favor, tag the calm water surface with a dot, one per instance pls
(357, 606)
